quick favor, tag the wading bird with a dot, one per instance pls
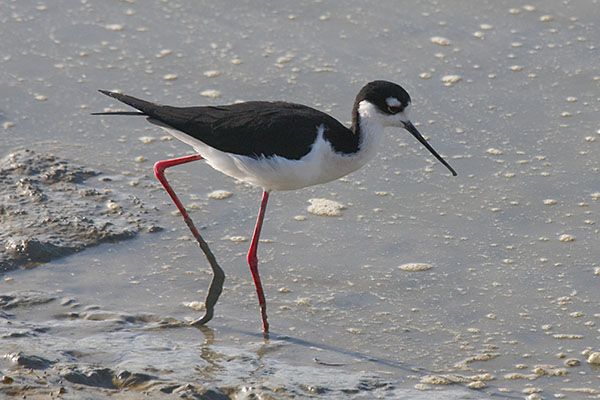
(276, 146)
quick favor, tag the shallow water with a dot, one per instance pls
(507, 92)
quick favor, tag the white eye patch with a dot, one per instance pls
(395, 106)
(393, 102)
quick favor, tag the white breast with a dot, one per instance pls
(320, 165)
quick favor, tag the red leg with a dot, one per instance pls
(159, 169)
(253, 261)
(216, 285)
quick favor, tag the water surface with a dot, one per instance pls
(507, 92)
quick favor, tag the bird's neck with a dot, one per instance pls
(367, 124)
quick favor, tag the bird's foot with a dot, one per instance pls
(207, 317)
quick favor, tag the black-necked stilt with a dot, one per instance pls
(277, 146)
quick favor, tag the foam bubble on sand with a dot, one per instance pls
(325, 207)
(285, 59)
(477, 385)
(147, 139)
(414, 267)
(442, 41)
(114, 27)
(211, 74)
(594, 358)
(163, 53)
(450, 80)
(236, 239)
(219, 194)
(194, 305)
(565, 237)
(435, 380)
(213, 94)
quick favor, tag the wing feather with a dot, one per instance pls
(255, 129)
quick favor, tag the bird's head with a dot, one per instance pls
(389, 104)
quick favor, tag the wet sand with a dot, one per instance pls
(48, 211)
(508, 306)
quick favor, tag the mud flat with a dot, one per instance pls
(48, 209)
(152, 356)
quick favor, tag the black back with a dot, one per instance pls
(255, 129)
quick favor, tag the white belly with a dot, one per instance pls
(320, 165)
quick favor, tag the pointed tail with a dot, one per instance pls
(143, 106)
(118, 113)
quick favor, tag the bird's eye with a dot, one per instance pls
(395, 109)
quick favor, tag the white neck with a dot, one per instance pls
(370, 128)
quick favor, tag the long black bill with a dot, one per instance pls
(411, 128)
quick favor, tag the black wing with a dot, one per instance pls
(253, 129)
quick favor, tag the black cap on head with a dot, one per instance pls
(378, 92)
(390, 98)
